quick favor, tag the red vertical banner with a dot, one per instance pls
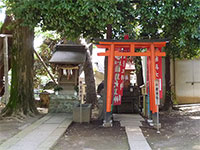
(147, 72)
(117, 69)
(158, 67)
(119, 73)
(148, 80)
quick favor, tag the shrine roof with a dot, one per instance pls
(132, 40)
(69, 54)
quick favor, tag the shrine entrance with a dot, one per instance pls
(117, 52)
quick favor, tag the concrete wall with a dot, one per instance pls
(187, 81)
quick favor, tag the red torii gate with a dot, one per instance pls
(150, 45)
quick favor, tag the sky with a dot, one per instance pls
(2, 13)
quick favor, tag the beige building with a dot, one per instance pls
(185, 75)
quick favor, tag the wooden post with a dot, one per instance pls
(76, 77)
(5, 54)
(6, 94)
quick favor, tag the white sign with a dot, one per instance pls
(157, 96)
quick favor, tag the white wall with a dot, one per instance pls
(187, 81)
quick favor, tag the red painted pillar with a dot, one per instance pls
(152, 79)
(110, 78)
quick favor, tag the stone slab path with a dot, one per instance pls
(41, 135)
(132, 124)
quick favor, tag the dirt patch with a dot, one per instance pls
(93, 137)
(180, 130)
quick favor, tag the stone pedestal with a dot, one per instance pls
(82, 113)
(62, 103)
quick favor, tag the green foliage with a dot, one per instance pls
(76, 88)
(72, 18)
(53, 35)
(174, 19)
(45, 51)
(1, 23)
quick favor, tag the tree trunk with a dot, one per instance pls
(168, 102)
(91, 96)
(21, 97)
(139, 72)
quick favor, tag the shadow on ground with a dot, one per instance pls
(93, 137)
(180, 130)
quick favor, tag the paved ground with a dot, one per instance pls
(180, 131)
(10, 126)
(41, 135)
(132, 123)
